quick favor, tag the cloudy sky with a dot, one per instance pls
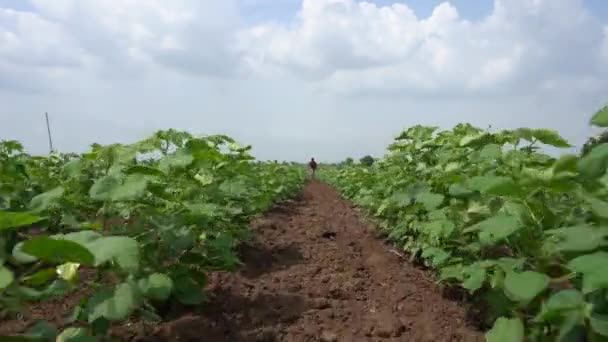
(329, 78)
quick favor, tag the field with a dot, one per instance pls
(454, 235)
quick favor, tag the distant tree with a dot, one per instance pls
(594, 141)
(349, 161)
(367, 160)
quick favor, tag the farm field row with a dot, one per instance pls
(522, 232)
(133, 226)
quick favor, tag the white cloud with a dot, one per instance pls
(522, 42)
(339, 76)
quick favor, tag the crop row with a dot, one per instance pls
(523, 231)
(151, 219)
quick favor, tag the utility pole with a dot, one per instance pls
(48, 128)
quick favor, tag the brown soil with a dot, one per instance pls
(314, 272)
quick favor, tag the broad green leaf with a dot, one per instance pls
(589, 263)
(594, 268)
(599, 207)
(75, 335)
(187, 291)
(114, 305)
(550, 137)
(506, 330)
(599, 324)
(594, 281)
(44, 330)
(474, 139)
(46, 199)
(474, 279)
(22, 257)
(103, 188)
(157, 286)
(600, 118)
(494, 185)
(569, 299)
(73, 168)
(490, 152)
(565, 163)
(439, 228)
(581, 238)
(40, 278)
(82, 237)
(132, 188)
(120, 249)
(178, 160)
(525, 286)
(9, 220)
(6, 277)
(430, 200)
(452, 272)
(58, 251)
(593, 165)
(495, 228)
(144, 170)
(459, 191)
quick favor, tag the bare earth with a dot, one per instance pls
(314, 272)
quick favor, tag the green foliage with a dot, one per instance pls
(156, 216)
(367, 161)
(502, 220)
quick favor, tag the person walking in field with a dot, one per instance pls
(313, 166)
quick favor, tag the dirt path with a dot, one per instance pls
(315, 272)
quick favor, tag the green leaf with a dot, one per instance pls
(599, 323)
(506, 330)
(6, 277)
(589, 263)
(594, 164)
(75, 335)
(474, 279)
(144, 170)
(594, 268)
(43, 330)
(430, 200)
(103, 188)
(44, 200)
(494, 185)
(600, 118)
(599, 207)
(550, 137)
(115, 305)
(565, 163)
(131, 189)
(120, 249)
(178, 160)
(58, 251)
(580, 238)
(157, 286)
(491, 151)
(9, 220)
(495, 228)
(22, 257)
(525, 286)
(569, 299)
(188, 292)
(459, 191)
(41, 277)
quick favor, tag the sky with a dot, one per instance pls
(297, 78)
